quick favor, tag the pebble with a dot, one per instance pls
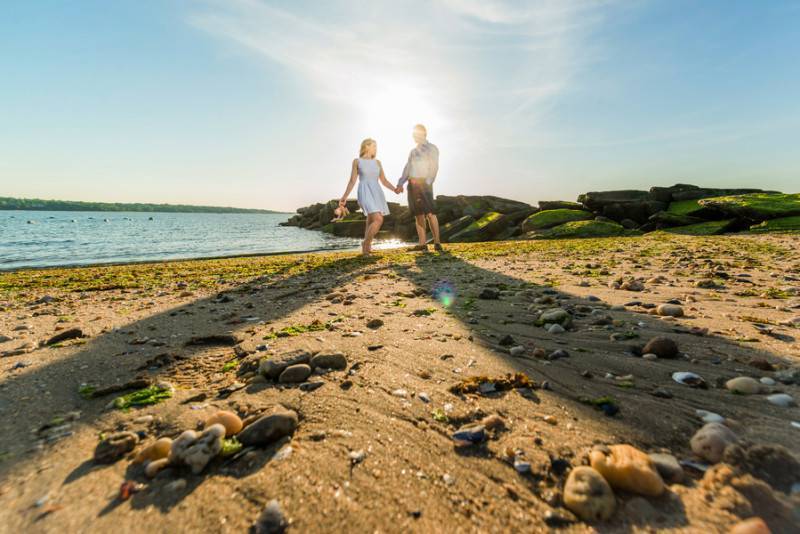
(687, 378)
(753, 525)
(295, 374)
(517, 351)
(661, 346)
(154, 467)
(588, 495)
(424, 397)
(649, 356)
(402, 393)
(197, 451)
(627, 468)
(272, 368)
(329, 360)
(767, 381)
(555, 329)
(781, 399)
(176, 486)
(470, 434)
(557, 316)
(269, 428)
(115, 447)
(374, 323)
(668, 467)
(271, 520)
(155, 451)
(670, 310)
(710, 441)
(231, 422)
(743, 385)
(709, 417)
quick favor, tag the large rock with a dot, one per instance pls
(477, 206)
(588, 495)
(704, 228)
(666, 219)
(559, 205)
(579, 229)
(627, 468)
(481, 230)
(550, 218)
(596, 200)
(783, 224)
(450, 229)
(756, 206)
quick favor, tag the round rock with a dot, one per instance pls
(228, 419)
(744, 385)
(668, 467)
(670, 310)
(661, 346)
(329, 360)
(269, 428)
(588, 495)
(115, 447)
(710, 441)
(627, 468)
(295, 373)
(781, 399)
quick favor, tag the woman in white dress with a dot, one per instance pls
(369, 172)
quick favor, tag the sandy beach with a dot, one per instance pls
(373, 449)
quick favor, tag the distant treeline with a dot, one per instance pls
(36, 204)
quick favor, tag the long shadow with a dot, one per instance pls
(115, 357)
(653, 412)
(657, 413)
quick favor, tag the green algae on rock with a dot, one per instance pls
(756, 206)
(704, 228)
(550, 218)
(783, 224)
(586, 229)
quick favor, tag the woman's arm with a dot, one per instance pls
(351, 183)
(384, 181)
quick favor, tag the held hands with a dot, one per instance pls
(398, 189)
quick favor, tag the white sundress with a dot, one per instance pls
(370, 192)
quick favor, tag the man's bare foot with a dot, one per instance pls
(418, 248)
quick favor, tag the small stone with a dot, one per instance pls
(356, 457)
(329, 360)
(175, 486)
(154, 467)
(629, 469)
(670, 310)
(489, 293)
(710, 441)
(493, 421)
(470, 434)
(197, 451)
(271, 520)
(424, 397)
(663, 347)
(71, 333)
(517, 351)
(690, 379)
(550, 420)
(649, 356)
(709, 417)
(588, 495)
(374, 323)
(781, 399)
(555, 329)
(295, 374)
(558, 316)
(767, 381)
(668, 467)
(744, 385)
(231, 422)
(269, 428)
(753, 525)
(507, 341)
(115, 447)
(272, 368)
(155, 451)
(402, 393)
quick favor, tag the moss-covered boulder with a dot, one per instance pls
(665, 219)
(346, 228)
(550, 218)
(756, 206)
(685, 208)
(783, 224)
(450, 229)
(704, 228)
(586, 229)
(480, 230)
(559, 205)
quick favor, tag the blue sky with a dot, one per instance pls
(263, 103)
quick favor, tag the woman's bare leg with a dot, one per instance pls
(373, 226)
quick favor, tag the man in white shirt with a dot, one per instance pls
(420, 172)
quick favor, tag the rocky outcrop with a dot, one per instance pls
(681, 209)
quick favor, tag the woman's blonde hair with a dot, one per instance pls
(364, 145)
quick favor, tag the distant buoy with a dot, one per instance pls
(73, 220)
(105, 220)
(149, 218)
(31, 222)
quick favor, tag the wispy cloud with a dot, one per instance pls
(482, 62)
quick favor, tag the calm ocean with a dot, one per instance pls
(54, 238)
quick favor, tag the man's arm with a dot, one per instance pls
(434, 165)
(404, 176)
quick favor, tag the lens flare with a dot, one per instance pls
(445, 293)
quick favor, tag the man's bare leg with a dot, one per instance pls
(433, 222)
(419, 220)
